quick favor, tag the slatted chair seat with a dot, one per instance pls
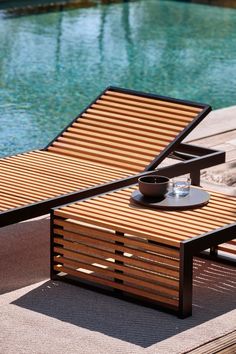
(110, 241)
(121, 133)
(34, 176)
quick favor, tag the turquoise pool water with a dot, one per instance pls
(52, 65)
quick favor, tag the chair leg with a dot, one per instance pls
(53, 273)
(195, 178)
(214, 251)
(185, 283)
(117, 280)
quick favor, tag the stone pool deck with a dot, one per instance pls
(218, 131)
(42, 316)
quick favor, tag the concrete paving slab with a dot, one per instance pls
(218, 131)
(225, 137)
(217, 122)
(232, 142)
(224, 147)
(46, 317)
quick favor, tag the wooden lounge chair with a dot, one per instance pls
(120, 134)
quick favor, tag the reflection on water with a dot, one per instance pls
(53, 65)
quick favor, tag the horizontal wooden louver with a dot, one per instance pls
(122, 262)
(125, 130)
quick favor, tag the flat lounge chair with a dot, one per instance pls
(121, 134)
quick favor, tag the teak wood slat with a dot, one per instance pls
(91, 131)
(162, 102)
(108, 240)
(103, 259)
(131, 120)
(38, 175)
(134, 106)
(128, 120)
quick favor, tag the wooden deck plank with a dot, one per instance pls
(223, 345)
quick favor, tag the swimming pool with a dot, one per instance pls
(53, 64)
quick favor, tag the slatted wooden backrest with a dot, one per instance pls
(129, 130)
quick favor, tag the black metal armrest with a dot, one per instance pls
(186, 152)
(193, 159)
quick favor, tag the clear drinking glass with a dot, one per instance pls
(181, 186)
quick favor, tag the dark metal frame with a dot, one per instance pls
(200, 158)
(193, 247)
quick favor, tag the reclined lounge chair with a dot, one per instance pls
(122, 133)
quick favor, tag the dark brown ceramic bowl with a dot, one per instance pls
(153, 186)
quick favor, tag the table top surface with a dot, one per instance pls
(195, 198)
(116, 211)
